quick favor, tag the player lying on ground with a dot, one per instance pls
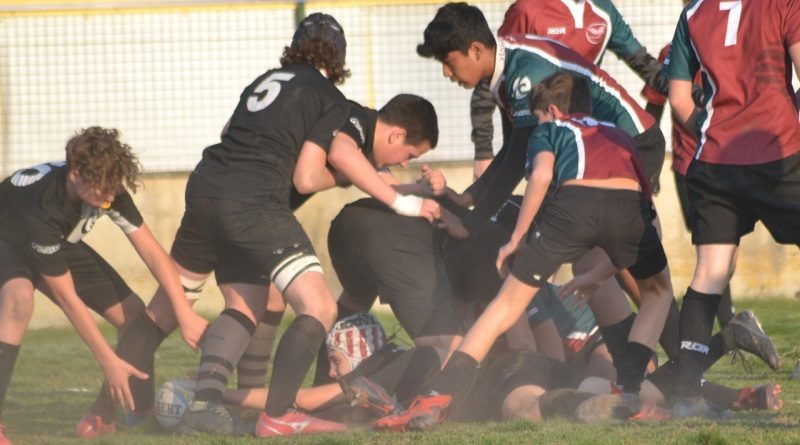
(45, 211)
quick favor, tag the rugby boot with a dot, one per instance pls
(765, 397)
(424, 413)
(206, 417)
(745, 332)
(92, 425)
(295, 422)
(365, 393)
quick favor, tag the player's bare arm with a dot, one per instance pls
(680, 99)
(311, 173)
(164, 271)
(115, 370)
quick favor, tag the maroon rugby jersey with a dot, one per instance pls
(749, 116)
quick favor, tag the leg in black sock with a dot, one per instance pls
(8, 358)
(293, 358)
(224, 343)
(323, 369)
(252, 367)
(670, 339)
(697, 319)
(424, 364)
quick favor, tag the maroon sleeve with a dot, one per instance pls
(516, 20)
(791, 27)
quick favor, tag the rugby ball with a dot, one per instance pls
(172, 401)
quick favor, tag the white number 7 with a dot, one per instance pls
(272, 86)
(734, 9)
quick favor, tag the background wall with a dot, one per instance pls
(168, 73)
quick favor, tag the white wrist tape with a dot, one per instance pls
(407, 205)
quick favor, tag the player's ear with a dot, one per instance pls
(555, 111)
(397, 135)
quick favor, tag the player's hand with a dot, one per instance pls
(433, 181)
(583, 285)
(117, 372)
(193, 326)
(452, 225)
(430, 210)
(503, 254)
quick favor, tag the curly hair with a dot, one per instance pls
(102, 160)
(320, 53)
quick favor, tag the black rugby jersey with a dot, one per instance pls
(276, 114)
(36, 216)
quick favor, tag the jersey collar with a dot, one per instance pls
(499, 67)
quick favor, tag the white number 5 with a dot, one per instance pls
(734, 9)
(272, 87)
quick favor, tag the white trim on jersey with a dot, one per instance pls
(599, 11)
(690, 12)
(576, 9)
(578, 143)
(585, 72)
(709, 105)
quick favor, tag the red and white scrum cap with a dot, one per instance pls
(357, 337)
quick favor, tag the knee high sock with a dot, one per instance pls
(424, 364)
(323, 368)
(8, 358)
(670, 339)
(137, 346)
(562, 402)
(616, 338)
(458, 376)
(251, 371)
(293, 358)
(223, 344)
(697, 319)
(633, 365)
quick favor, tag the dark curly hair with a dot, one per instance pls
(320, 53)
(102, 160)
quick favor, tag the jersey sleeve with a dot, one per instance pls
(681, 61)
(540, 140)
(622, 41)
(516, 21)
(125, 214)
(792, 25)
(355, 126)
(45, 247)
(331, 121)
(649, 93)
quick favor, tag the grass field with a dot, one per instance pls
(56, 380)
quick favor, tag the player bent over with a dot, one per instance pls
(602, 200)
(239, 223)
(45, 211)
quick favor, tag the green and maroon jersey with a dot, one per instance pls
(525, 60)
(586, 148)
(587, 26)
(740, 47)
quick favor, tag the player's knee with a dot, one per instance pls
(17, 303)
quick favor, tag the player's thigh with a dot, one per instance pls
(776, 198)
(194, 247)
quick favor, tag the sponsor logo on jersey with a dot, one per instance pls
(45, 250)
(595, 32)
(356, 123)
(560, 31)
(521, 87)
(692, 346)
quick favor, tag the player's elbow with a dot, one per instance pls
(304, 183)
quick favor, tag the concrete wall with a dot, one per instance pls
(765, 269)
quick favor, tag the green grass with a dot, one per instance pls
(56, 379)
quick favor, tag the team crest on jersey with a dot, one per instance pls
(596, 32)
(521, 87)
(356, 123)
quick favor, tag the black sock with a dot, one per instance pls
(716, 350)
(458, 375)
(633, 365)
(137, 346)
(665, 378)
(670, 339)
(223, 344)
(720, 396)
(251, 371)
(323, 369)
(725, 310)
(616, 337)
(293, 359)
(8, 358)
(562, 402)
(424, 364)
(697, 319)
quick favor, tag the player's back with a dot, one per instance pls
(749, 115)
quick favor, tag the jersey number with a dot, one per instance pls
(734, 9)
(271, 85)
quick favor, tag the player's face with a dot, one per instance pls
(398, 152)
(340, 367)
(90, 194)
(461, 68)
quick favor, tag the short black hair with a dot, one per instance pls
(414, 114)
(454, 28)
(568, 91)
